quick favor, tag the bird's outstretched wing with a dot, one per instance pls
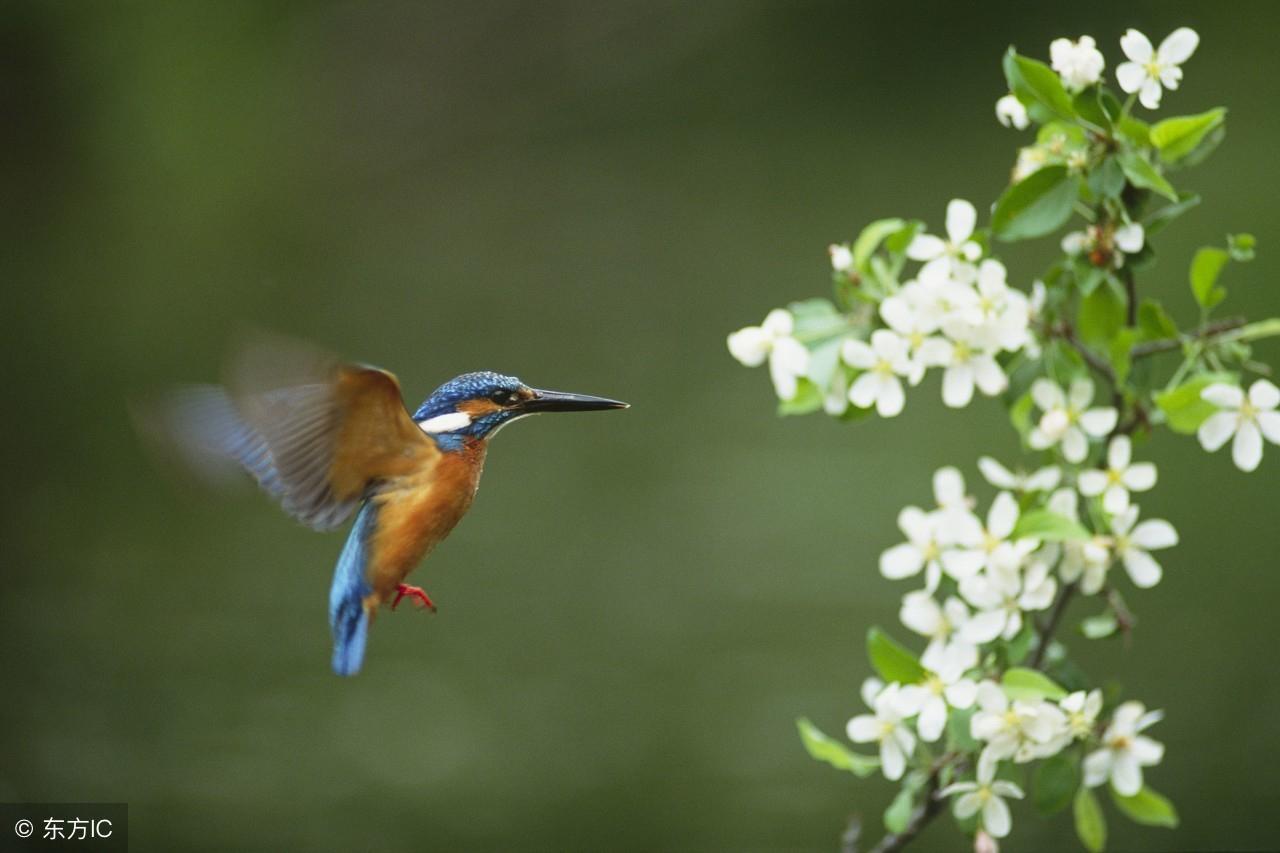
(315, 433)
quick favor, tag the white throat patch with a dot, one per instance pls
(446, 423)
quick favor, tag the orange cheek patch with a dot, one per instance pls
(478, 407)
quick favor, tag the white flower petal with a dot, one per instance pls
(864, 390)
(750, 346)
(957, 386)
(858, 354)
(891, 398)
(901, 561)
(1217, 430)
(863, 728)
(1047, 395)
(996, 474)
(1246, 450)
(1150, 94)
(1140, 476)
(1126, 774)
(1136, 46)
(1116, 499)
(1003, 515)
(1075, 447)
(892, 761)
(1223, 396)
(1143, 570)
(1269, 423)
(1097, 767)
(1154, 534)
(1119, 453)
(1099, 422)
(961, 218)
(968, 805)
(1178, 46)
(1264, 395)
(1092, 483)
(926, 247)
(1130, 76)
(995, 817)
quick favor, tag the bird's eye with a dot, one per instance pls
(503, 398)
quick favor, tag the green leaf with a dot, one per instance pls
(1089, 108)
(833, 752)
(1048, 526)
(808, 399)
(1154, 322)
(824, 360)
(1036, 83)
(899, 811)
(1020, 414)
(891, 660)
(1206, 266)
(1056, 781)
(1121, 353)
(1101, 315)
(1148, 808)
(1019, 647)
(1035, 206)
(1240, 246)
(870, 239)
(1183, 409)
(1135, 130)
(1022, 683)
(814, 314)
(1177, 137)
(1107, 179)
(1099, 627)
(1261, 329)
(1142, 174)
(1156, 222)
(1091, 826)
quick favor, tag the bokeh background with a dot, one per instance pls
(590, 195)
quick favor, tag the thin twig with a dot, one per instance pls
(1131, 294)
(1046, 631)
(930, 808)
(1091, 358)
(1207, 332)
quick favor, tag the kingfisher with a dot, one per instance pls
(329, 439)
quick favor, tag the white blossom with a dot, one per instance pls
(995, 551)
(772, 339)
(1004, 596)
(1011, 113)
(1249, 418)
(1066, 418)
(968, 365)
(1133, 543)
(1082, 711)
(841, 257)
(944, 686)
(986, 794)
(1042, 480)
(1113, 244)
(1120, 477)
(1130, 238)
(882, 361)
(998, 317)
(1078, 63)
(922, 550)
(1086, 560)
(946, 624)
(1021, 730)
(1149, 71)
(887, 727)
(1125, 751)
(953, 257)
(914, 314)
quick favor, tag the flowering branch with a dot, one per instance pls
(993, 705)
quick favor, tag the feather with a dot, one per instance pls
(317, 435)
(348, 616)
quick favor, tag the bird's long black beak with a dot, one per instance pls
(561, 401)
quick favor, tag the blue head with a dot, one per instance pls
(476, 405)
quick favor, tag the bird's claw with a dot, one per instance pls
(417, 593)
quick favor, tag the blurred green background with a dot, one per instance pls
(590, 195)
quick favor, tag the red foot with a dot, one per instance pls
(418, 594)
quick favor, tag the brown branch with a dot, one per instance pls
(1046, 631)
(1091, 358)
(1206, 332)
(1131, 296)
(931, 807)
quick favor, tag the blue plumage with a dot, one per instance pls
(347, 616)
(469, 386)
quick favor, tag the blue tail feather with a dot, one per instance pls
(347, 617)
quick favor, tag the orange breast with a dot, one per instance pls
(417, 511)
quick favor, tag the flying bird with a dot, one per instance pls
(329, 439)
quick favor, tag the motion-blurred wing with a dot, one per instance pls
(314, 433)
